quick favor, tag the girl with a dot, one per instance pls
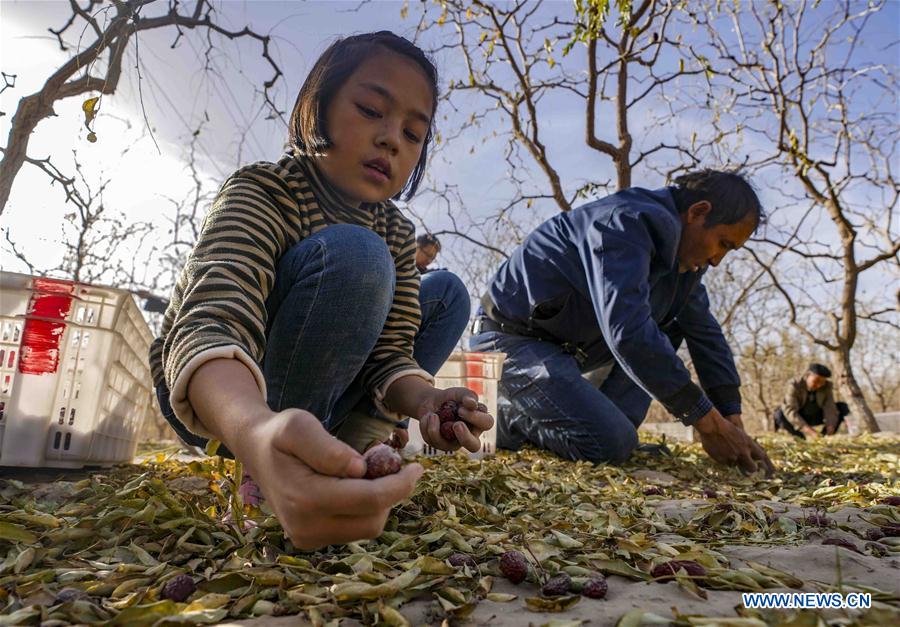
(297, 335)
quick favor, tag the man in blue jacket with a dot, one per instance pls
(617, 284)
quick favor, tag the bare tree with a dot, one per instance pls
(94, 236)
(877, 359)
(518, 56)
(525, 65)
(185, 220)
(768, 359)
(818, 119)
(106, 31)
(99, 244)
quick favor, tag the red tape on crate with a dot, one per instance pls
(39, 350)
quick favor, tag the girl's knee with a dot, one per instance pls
(353, 253)
(355, 245)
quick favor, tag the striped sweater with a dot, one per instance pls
(218, 304)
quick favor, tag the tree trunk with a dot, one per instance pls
(853, 394)
(31, 110)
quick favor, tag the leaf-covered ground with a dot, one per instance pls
(113, 538)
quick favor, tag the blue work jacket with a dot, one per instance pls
(604, 278)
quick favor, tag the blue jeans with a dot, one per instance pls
(329, 304)
(548, 403)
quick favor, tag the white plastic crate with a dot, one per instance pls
(479, 372)
(887, 421)
(75, 386)
(672, 430)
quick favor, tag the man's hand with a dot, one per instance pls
(736, 420)
(727, 443)
(314, 483)
(467, 431)
(809, 432)
(758, 453)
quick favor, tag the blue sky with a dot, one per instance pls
(177, 95)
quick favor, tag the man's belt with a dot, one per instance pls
(490, 320)
(483, 323)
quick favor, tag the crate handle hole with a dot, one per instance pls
(67, 442)
(62, 415)
(56, 439)
(71, 416)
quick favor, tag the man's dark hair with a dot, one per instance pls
(731, 195)
(820, 370)
(307, 124)
(427, 239)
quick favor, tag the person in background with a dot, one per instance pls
(809, 402)
(427, 248)
(618, 283)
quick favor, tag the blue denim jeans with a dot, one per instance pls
(547, 402)
(326, 310)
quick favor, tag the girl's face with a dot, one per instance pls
(377, 122)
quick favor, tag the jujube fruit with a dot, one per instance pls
(818, 520)
(557, 585)
(381, 461)
(666, 571)
(458, 560)
(514, 566)
(179, 588)
(448, 411)
(448, 414)
(874, 533)
(595, 588)
(69, 594)
(447, 432)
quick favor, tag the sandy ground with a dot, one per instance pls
(823, 567)
(813, 562)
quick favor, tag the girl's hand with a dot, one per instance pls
(314, 482)
(473, 422)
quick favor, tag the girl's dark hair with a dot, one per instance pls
(307, 125)
(731, 195)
